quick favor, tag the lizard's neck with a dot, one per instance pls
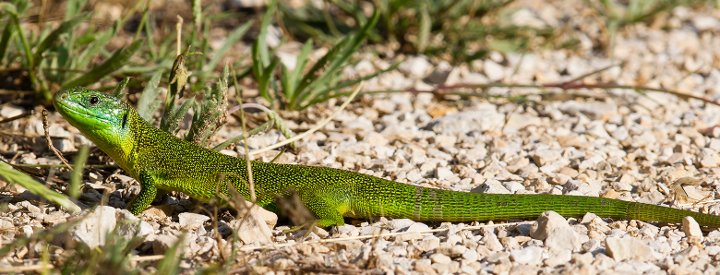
(121, 141)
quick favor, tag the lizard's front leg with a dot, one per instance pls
(148, 191)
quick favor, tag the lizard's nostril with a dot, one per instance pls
(60, 95)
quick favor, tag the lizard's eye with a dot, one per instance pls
(94, 100)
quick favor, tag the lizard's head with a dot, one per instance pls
(101, 117)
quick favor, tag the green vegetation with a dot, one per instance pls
(10, 175)
(56, 58)
(617, 16)
(195, 74)
(307, 84)
(70, 52)
(115, 255)
(461, 30)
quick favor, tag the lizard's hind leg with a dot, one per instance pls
(328, 210)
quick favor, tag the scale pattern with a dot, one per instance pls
(159, 160)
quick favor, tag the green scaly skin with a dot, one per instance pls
(159, 160)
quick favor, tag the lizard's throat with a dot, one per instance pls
(117, 144)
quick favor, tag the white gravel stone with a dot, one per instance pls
(494, 187)
(484, 117)
(416, 67)
(192, 220)
(517, 121)
(440, 258)
(706, 23)
(400, 224)
(691, 228)
(8, 111)
(30, 207)
(428, 243)
(93, 229)
(531, 255)
(256, 227)
(546, 155)
(527, 18)
(559, 258)
(493, 70)
(130, 226)
(492, 242)
(556, 232)
(162, 243)
(626, 248)
(348, 230)
(414, 232)
(709, 158)
(6, 226)
(470, 255)
(424, 266)
(27, 231)
(611, 142)
(444, 173)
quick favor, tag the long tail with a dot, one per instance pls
(429, 204)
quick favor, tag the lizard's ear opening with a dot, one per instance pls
(124, 120)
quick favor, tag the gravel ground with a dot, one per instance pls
(649, 147)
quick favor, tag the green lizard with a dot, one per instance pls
(159, 160)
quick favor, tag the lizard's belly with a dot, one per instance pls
(196, 188)
(207, 186)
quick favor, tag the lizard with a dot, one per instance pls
(160, 161)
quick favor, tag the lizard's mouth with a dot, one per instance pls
(78, 113)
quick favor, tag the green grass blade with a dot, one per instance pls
(177, 79)
(171, 262)
(90, 52)
(5, 39)
(262, 63)
(10, 175)
(118, 91)
(331, 63)
(175, 117)
(425, 26)
(329, 92)
(263, 73)
(290, 80)
(23, 41)
(340, 52)
(13, 11)
(77, 173)
(9, 28)
(231, 40)
(207, 116)
(73, 8)
(355, 42)
(197, 13)
(8, 8)
(315, 71)
(150, 100)
(54, 36)
(262, 128)
(257, 69)
(116, 61)
(47, 234)
(149, 29)
(262, 36)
